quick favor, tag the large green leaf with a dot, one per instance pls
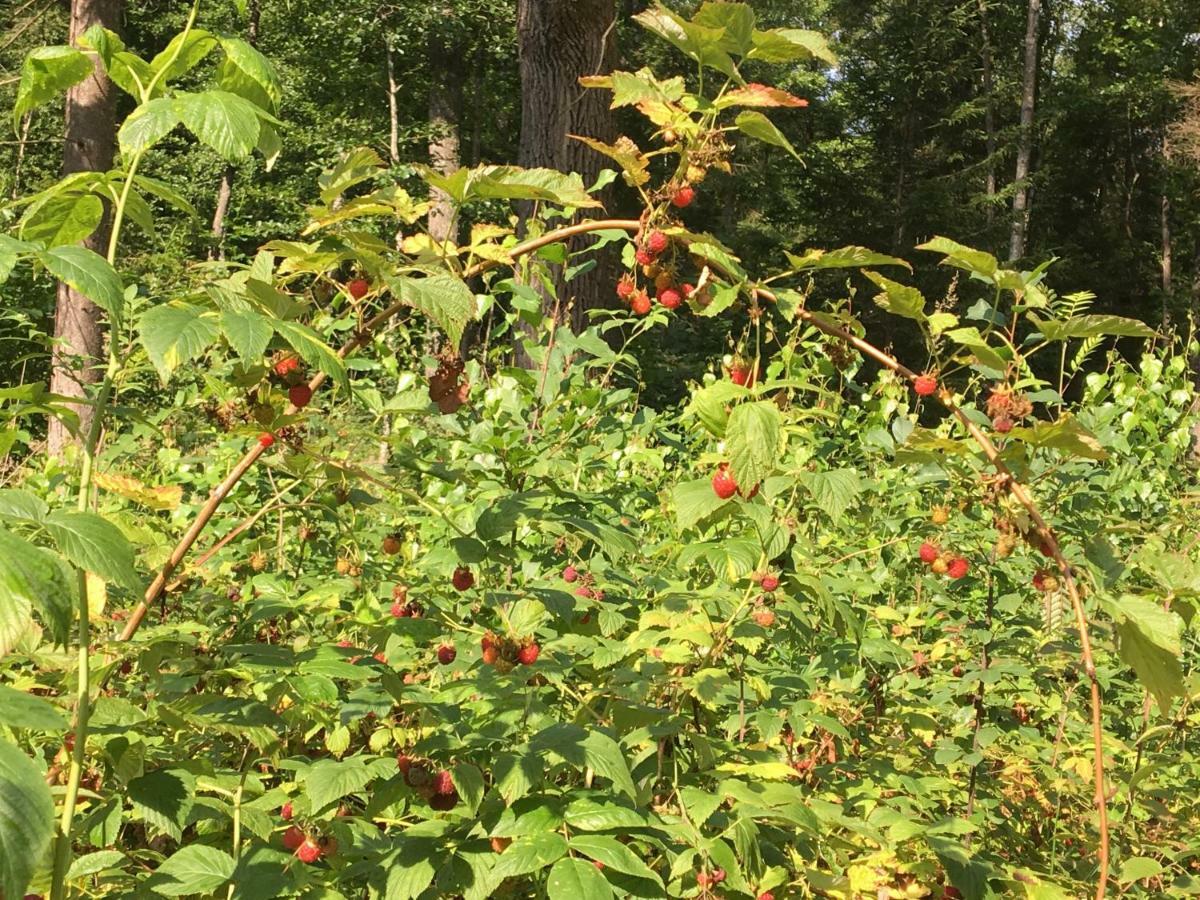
(148, 124)
(254, 66)
(735, 22)
(247, 332)
(843, 258)
(530, 853)
(194, 869)
(176, 333)
(183, 53)
(753, 123)
(444, 298)
(695, 500)
(163, 799)
(90, 274)
(1151, 642)
(574, 879)
(984, 353)
(20, 504)
(45, 73)
(583, 748)
(26, 819)
(962, 257)
(752, 442)
(1066, 435)
(227, 123)
(898, 299)
(514, 183)
(613, 854)
(701, 43)
(65, 219)
(313, 350)
(1091, 326)
(711, 404)
(21, 710)
(834, 491)
(31, 578)
(329, 780)
(783, 45)
(94, 544)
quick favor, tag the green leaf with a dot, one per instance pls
(973, 341)
(411, 868)
(313, 350)
(694, 501)
(1091, 326)
(468, 780)
(93, 863)
(1138, 867)
(130, 73)
(701, 43)
(783, 45)
(752, 442)
(711, 404)
(21, 504)
(734, 20)
(225, 122)
(191, 46)
(65, 219)
(90, 274)
(147, 125)
(95, 545)
(1065, 435)
(26, 819)
(834, 490)
(583, 748)
(574, 879)
(530, 853)
(327, 781)
(444, 298)
(31, 578)
(194, 869)
(514, 183)
(590, 814)
(21, 710)
(843, 258)
(962, 257)
(166, 193)
(255, 66)
(163, 799)
(46, 73)
(898, 299)
(175, 333)
(248, 333)
(1150, 640)
(753, 123)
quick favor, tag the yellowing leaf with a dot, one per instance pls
(165, 497)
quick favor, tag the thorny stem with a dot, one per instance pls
(1015, 488)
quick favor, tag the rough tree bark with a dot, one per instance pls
(1020, 207)
(393, 109)
(225, 191)
(1165, 224)
(88, 145)
(561, 40)
(989, 113)
(445, 106)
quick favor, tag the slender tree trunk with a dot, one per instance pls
(445, 104)
(989, 113)
(560, 41)
(225, 189)
(1165, 230)
(1016, 245)
(393, 108)
(477, 88)
(88, 146)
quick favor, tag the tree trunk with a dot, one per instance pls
(393, 108)
(445, 104)
(225, 190)
(989, 113)
(1016, 245)
(88, 145)
(560, 41)
(1165, 223)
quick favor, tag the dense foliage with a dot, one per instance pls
(828, 627)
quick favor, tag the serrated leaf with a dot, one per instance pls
(327, 780)
(752, 442)
(31, 578)
(227, 123)
(843, 258)
(635, 165)
(175, 333)
(574, 879)
(94, 544)
(21, 710)
(782, 45)
(468, 780)
(1091, 326)
(444, 298)
(962, 257)
(47, 72)
(162, 497)
(247, 332)
(194, 869)
(974, 342)
(16, 503)
(834, 491)
(26, 819)
(1066, 435)
(65, 219)
(756, 125)
(255, 66)
(583, 748)
(530, 853)
(183, 53)
(163, 799)
(711, 404)
(694, 501)
(313, 350)
(898, 299)
(701, 43)
(148, 124)
(90, 274)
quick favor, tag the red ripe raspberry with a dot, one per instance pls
(657, 242)
(380, 657)
(1002, 424)
(266, 439)
(766, 895)
(928, 552)
(958, 567)
(718, 876)
(443, 783)
(770, 582)
(285, 811)
(286, 366)
(584, 591)
(625, 287)
(684, 196)
(924, 385)
(529, 654)
(641, 303)
(687, 290)
(404, 763)
(670, 298)
(570, 574)
(344, 644)
(358, 288)
(462, 579)
(740, 375)
(723, 484)
(491, 655)
(293, 838)
(446, 654)
(309, 851)
(1039, 580)
(300, 395)
(644, 257)
(400, 610)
